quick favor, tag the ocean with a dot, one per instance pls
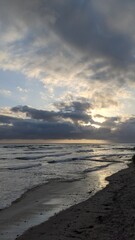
(25, 166)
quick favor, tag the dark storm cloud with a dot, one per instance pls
(49, 128)
(125, 131)
(36, 114)
(30, 129)
(36, 129)
(112, 129)
(6, 119)
(111, 122)
(74, 111)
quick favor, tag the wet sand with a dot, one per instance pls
(108, 215)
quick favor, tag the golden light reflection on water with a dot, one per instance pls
(102, 178)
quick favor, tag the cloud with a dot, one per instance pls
(22, 90)
(14, 128)
(73, 111)
(64, 124)
(27, 129)
(82, 105)
(7, 119)
(126, 131)
(5, 92)
(83, 26)
(104, 99)
(68, 41)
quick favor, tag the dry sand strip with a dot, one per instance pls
(109, 214)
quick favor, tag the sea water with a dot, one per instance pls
(24, 166)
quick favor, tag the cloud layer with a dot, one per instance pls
(58, 41)
(67, 123)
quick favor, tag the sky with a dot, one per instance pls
(67, 70)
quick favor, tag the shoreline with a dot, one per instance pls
(109, 214)
(40, 203)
